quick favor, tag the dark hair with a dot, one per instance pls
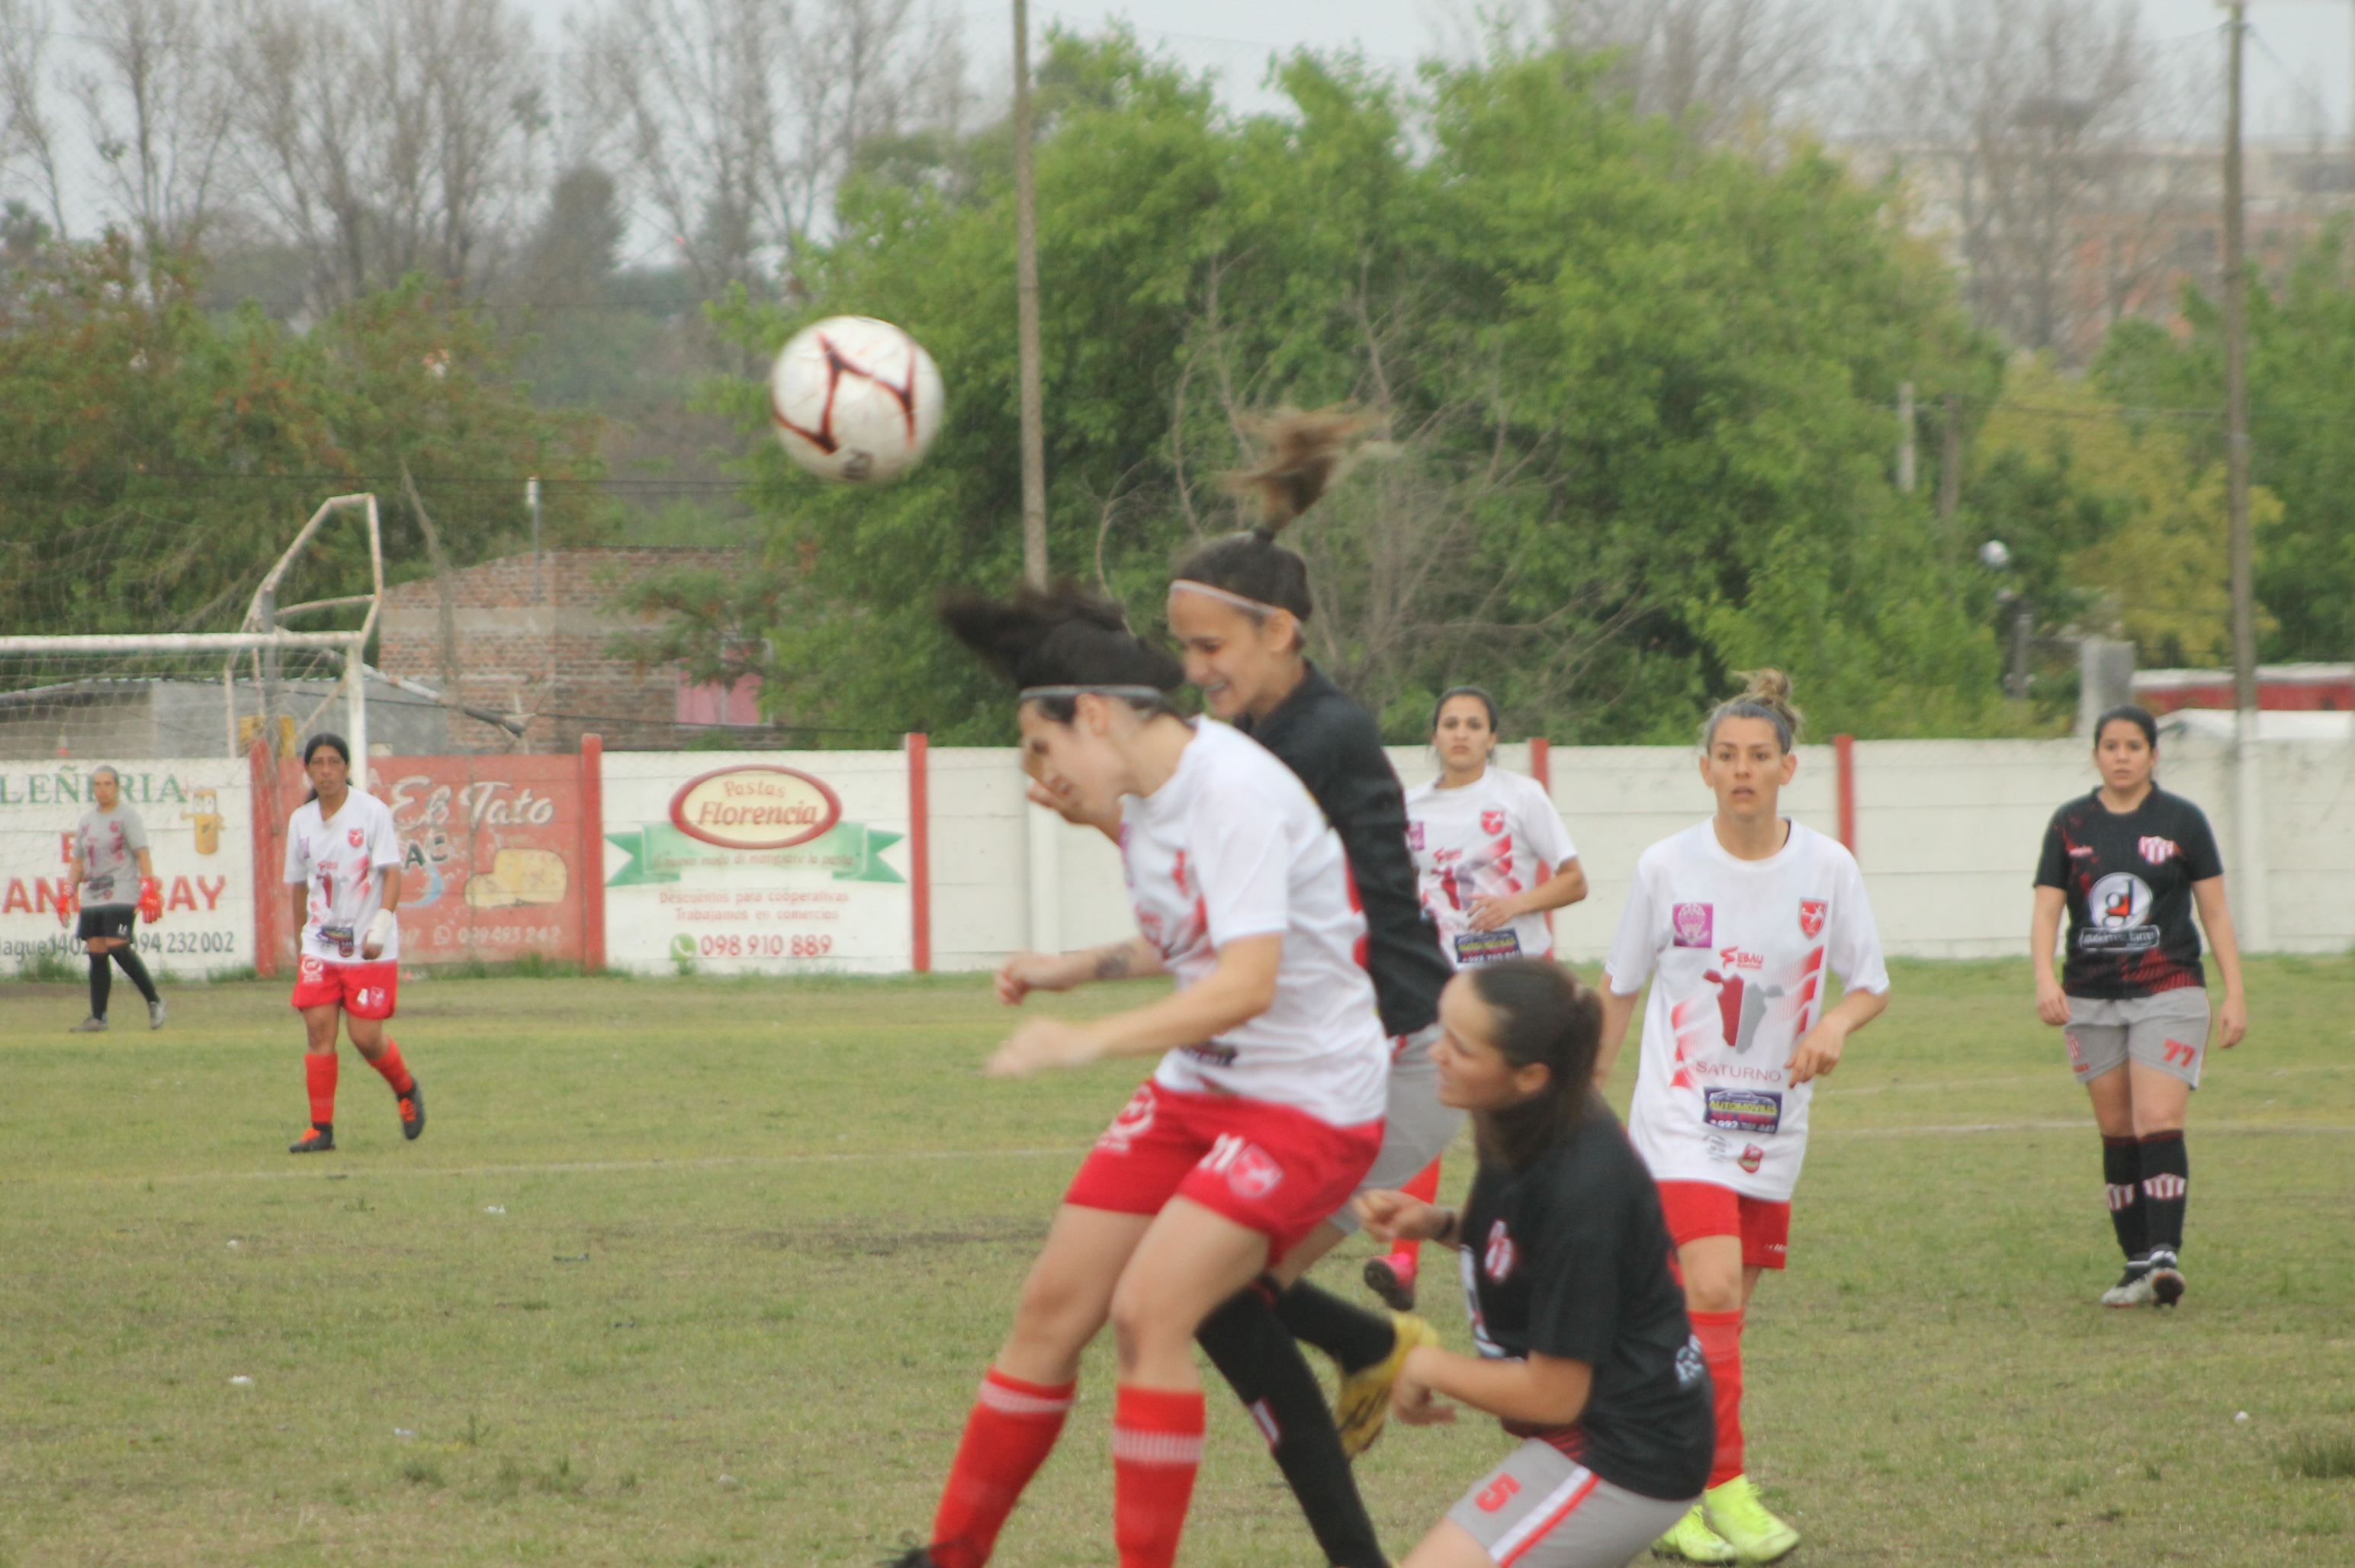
(1062, 637)
(2132, 714)
(1544, 1017)
(1767, 697)
(1305, 454)
(1453, 692)
(343, 749)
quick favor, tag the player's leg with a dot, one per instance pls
(371, 996)
(1391, 1276)
(1541, 1509)
(2097, 1056)
(2166, 1044)
(102, 981)
(320, 1022)
(126, 957)
(1191, 1260)
(1028, 1391)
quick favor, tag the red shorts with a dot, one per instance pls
(1698, 1209)
(1268, 1167)
(363, 990)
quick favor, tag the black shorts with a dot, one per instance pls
(107, 920)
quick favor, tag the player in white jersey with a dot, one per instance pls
(343, 879)
(1491, 860)
(1738, 922)
(1263, 1114)
(113, 888)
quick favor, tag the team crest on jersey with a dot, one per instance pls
(1496, 1259)
(358, 837)
(1753, 1157)
(1492, 822)
(1811, 916)
(1414, 836)
(1694, 925)
(2158, 852)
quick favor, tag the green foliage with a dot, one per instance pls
(159, 458)
(1634, 396)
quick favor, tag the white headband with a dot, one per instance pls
(1138, 693)
(1237, 599)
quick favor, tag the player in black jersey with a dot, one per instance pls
(1586, 1353)
(2127, 864)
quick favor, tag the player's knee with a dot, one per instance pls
(1711, 1290)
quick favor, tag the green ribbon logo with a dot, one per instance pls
(851, 851)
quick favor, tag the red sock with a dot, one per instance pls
(1720, 1344)
(395, 1071)
(1156, 1447)
(1008, 1435)
(1405, 1255)
(319, 1069)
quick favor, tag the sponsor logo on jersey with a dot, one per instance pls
(1758, 1111)
(754, 808)
(1753, 1157)
(1735, 958)
(1486, 946)
(2081, 851)
(1693, 925)
(1496, 1259)
(1811, 916)
(1690, 1361)
(2118, 911)
(1492, 822)
(2156, 851)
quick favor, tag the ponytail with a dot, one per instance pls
(1306, 454)
(1544, 1017)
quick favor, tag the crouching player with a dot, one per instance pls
(1585, 1351)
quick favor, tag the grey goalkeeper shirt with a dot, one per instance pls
(110, 842)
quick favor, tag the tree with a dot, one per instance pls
(1719, 67)
(158, 108)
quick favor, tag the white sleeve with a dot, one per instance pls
(1241, 866)
(1638, 942)
(298, 864)
(384, 839)
(1852, 946)
(1541, 828)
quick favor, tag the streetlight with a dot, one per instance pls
(1996, 557)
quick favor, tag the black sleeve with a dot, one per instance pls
(2200, 859)
(1352, 779)
(1574, 1286)
(2053, 865)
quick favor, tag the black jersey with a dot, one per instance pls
(2128, 877)
(1570, 1258)
(1332, 744)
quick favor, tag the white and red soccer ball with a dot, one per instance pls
(854, 399)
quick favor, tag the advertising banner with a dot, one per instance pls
(492, 853)
(727, 862)
(199, 838)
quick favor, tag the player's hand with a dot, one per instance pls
(2051, 1002)
(2233, 1023)
(1489, 913)
(1818, 1053)
(1028, 972)
(1412, 1400)
(1394, 1217)
(1039, 1044)
(150, 899)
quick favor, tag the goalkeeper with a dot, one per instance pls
(114, 884)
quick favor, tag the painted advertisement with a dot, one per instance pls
(757, 861)
(200, 842)
(491, 851)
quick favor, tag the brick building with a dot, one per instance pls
(532, 637)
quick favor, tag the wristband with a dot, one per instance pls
(380, 929)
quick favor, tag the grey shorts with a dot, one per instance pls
(2166, 1033)
(1416, 1128)
(1541, 1509)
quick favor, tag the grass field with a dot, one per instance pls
(700, 1273)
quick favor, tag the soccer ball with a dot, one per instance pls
(855, 399)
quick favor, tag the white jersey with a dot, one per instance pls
(338, 860)
(1741, 948)
(1497, 835)
(1231, 847)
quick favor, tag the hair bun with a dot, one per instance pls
(1769, 686)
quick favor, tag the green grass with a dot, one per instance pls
(704, 1272)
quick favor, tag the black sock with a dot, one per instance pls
(2165, 1189)
(102, 981)
(2121, 1179)
(136, 970)
(1356, 1336)
(1263, 1365)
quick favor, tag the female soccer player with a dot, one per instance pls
(2127, 862)
(1490, 858)
(1263, 1113)
(1585, 1353)
(108, 841)
(1742, 916)
(343, 877)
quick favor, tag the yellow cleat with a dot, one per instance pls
(1734, 1513)
(1365, 1401)
(1693, 1540)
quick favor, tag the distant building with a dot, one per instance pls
(2281, 689)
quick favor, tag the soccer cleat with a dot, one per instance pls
(318, 1139)
(1384, 1278)
(91, 1025)
(2166, 1278)
(155, 1013)
(1692, 1540)
(1733, 1512)
(412, 1109)
(1365, 1399)
(909, 1557)
(2133, 1288)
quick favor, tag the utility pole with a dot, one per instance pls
(1025, 305)
(1950, 459)
(2248, 772)
(1906, 436)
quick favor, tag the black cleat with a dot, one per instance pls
(318, 1140)
(2166, 1278)
(1397, 1293)
(909, 1557)
(412, 1109)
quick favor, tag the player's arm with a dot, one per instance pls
(1544, 1391)
(2043, 934)
(1237, 989)
(298, 905)
(2216, 918)
(1135, 959)
(380, 929)
(1618, 1011)
(1819, 1053)
(1565, 885)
